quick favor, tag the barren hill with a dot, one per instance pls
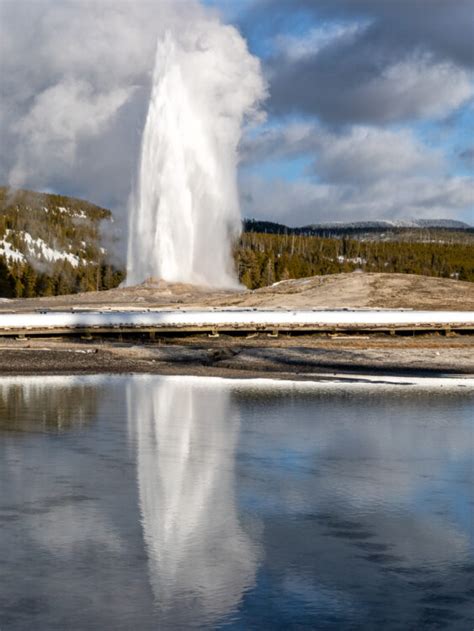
(387, 291)
(357, 290)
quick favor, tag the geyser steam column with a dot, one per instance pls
(185, 212)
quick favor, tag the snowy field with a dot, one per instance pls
(330, 381)
(230, 318)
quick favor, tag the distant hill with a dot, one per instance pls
(51, 244)
(270, 252)
(413, 229)
(385, 224)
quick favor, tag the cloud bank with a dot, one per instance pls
(75, 86)
(362, 173)
(375, 62)
(371, 106)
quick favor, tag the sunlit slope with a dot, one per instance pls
(51, 244)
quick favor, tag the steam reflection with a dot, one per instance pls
(201, 560)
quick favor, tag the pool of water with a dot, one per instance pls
(148, 502)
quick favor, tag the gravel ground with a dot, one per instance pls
(293, 357)
(286, 356)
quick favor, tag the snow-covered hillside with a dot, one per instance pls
(35, 250)
(52, 244)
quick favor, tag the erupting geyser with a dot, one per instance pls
(185, 212)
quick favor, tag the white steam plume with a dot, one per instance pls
(185, 213)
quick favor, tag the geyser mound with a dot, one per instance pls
(185, 213)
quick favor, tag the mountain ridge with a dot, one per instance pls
(257, 225)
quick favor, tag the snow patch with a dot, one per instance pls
(339, 382)
(79, 214)
(232, 318)
(10, 253)
(41, 250)
(356, 260)
(36, 248)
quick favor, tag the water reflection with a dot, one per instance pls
(201, 560)
(64, 534)
(238, 505)
(46, 405)
(367, 497)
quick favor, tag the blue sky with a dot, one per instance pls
(413, 90)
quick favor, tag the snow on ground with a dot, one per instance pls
(78, 214)
(332, 381)
(37, 248)
(234, 318)
(9, 252)
(357, 260)
(40, 249)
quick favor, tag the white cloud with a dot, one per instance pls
(341, 78)
(294, 47)
(366, 154)
(418, 87)
(303, 202)
(359, 153)
(356, 174)
(68, 70)
(60, 117)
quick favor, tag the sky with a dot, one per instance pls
(369, 108)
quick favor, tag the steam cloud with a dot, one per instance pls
(186, 210)
(76, 88)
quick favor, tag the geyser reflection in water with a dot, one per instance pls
(181, 502)
(201, 560)
(185, 212)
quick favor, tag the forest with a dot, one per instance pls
(263, 259)
(51, 245)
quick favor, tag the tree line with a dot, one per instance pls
(266, 253)
(23, 280)
(263, 259)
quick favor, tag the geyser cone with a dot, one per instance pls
(186, 210)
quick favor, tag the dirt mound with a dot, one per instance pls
(357, 290)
